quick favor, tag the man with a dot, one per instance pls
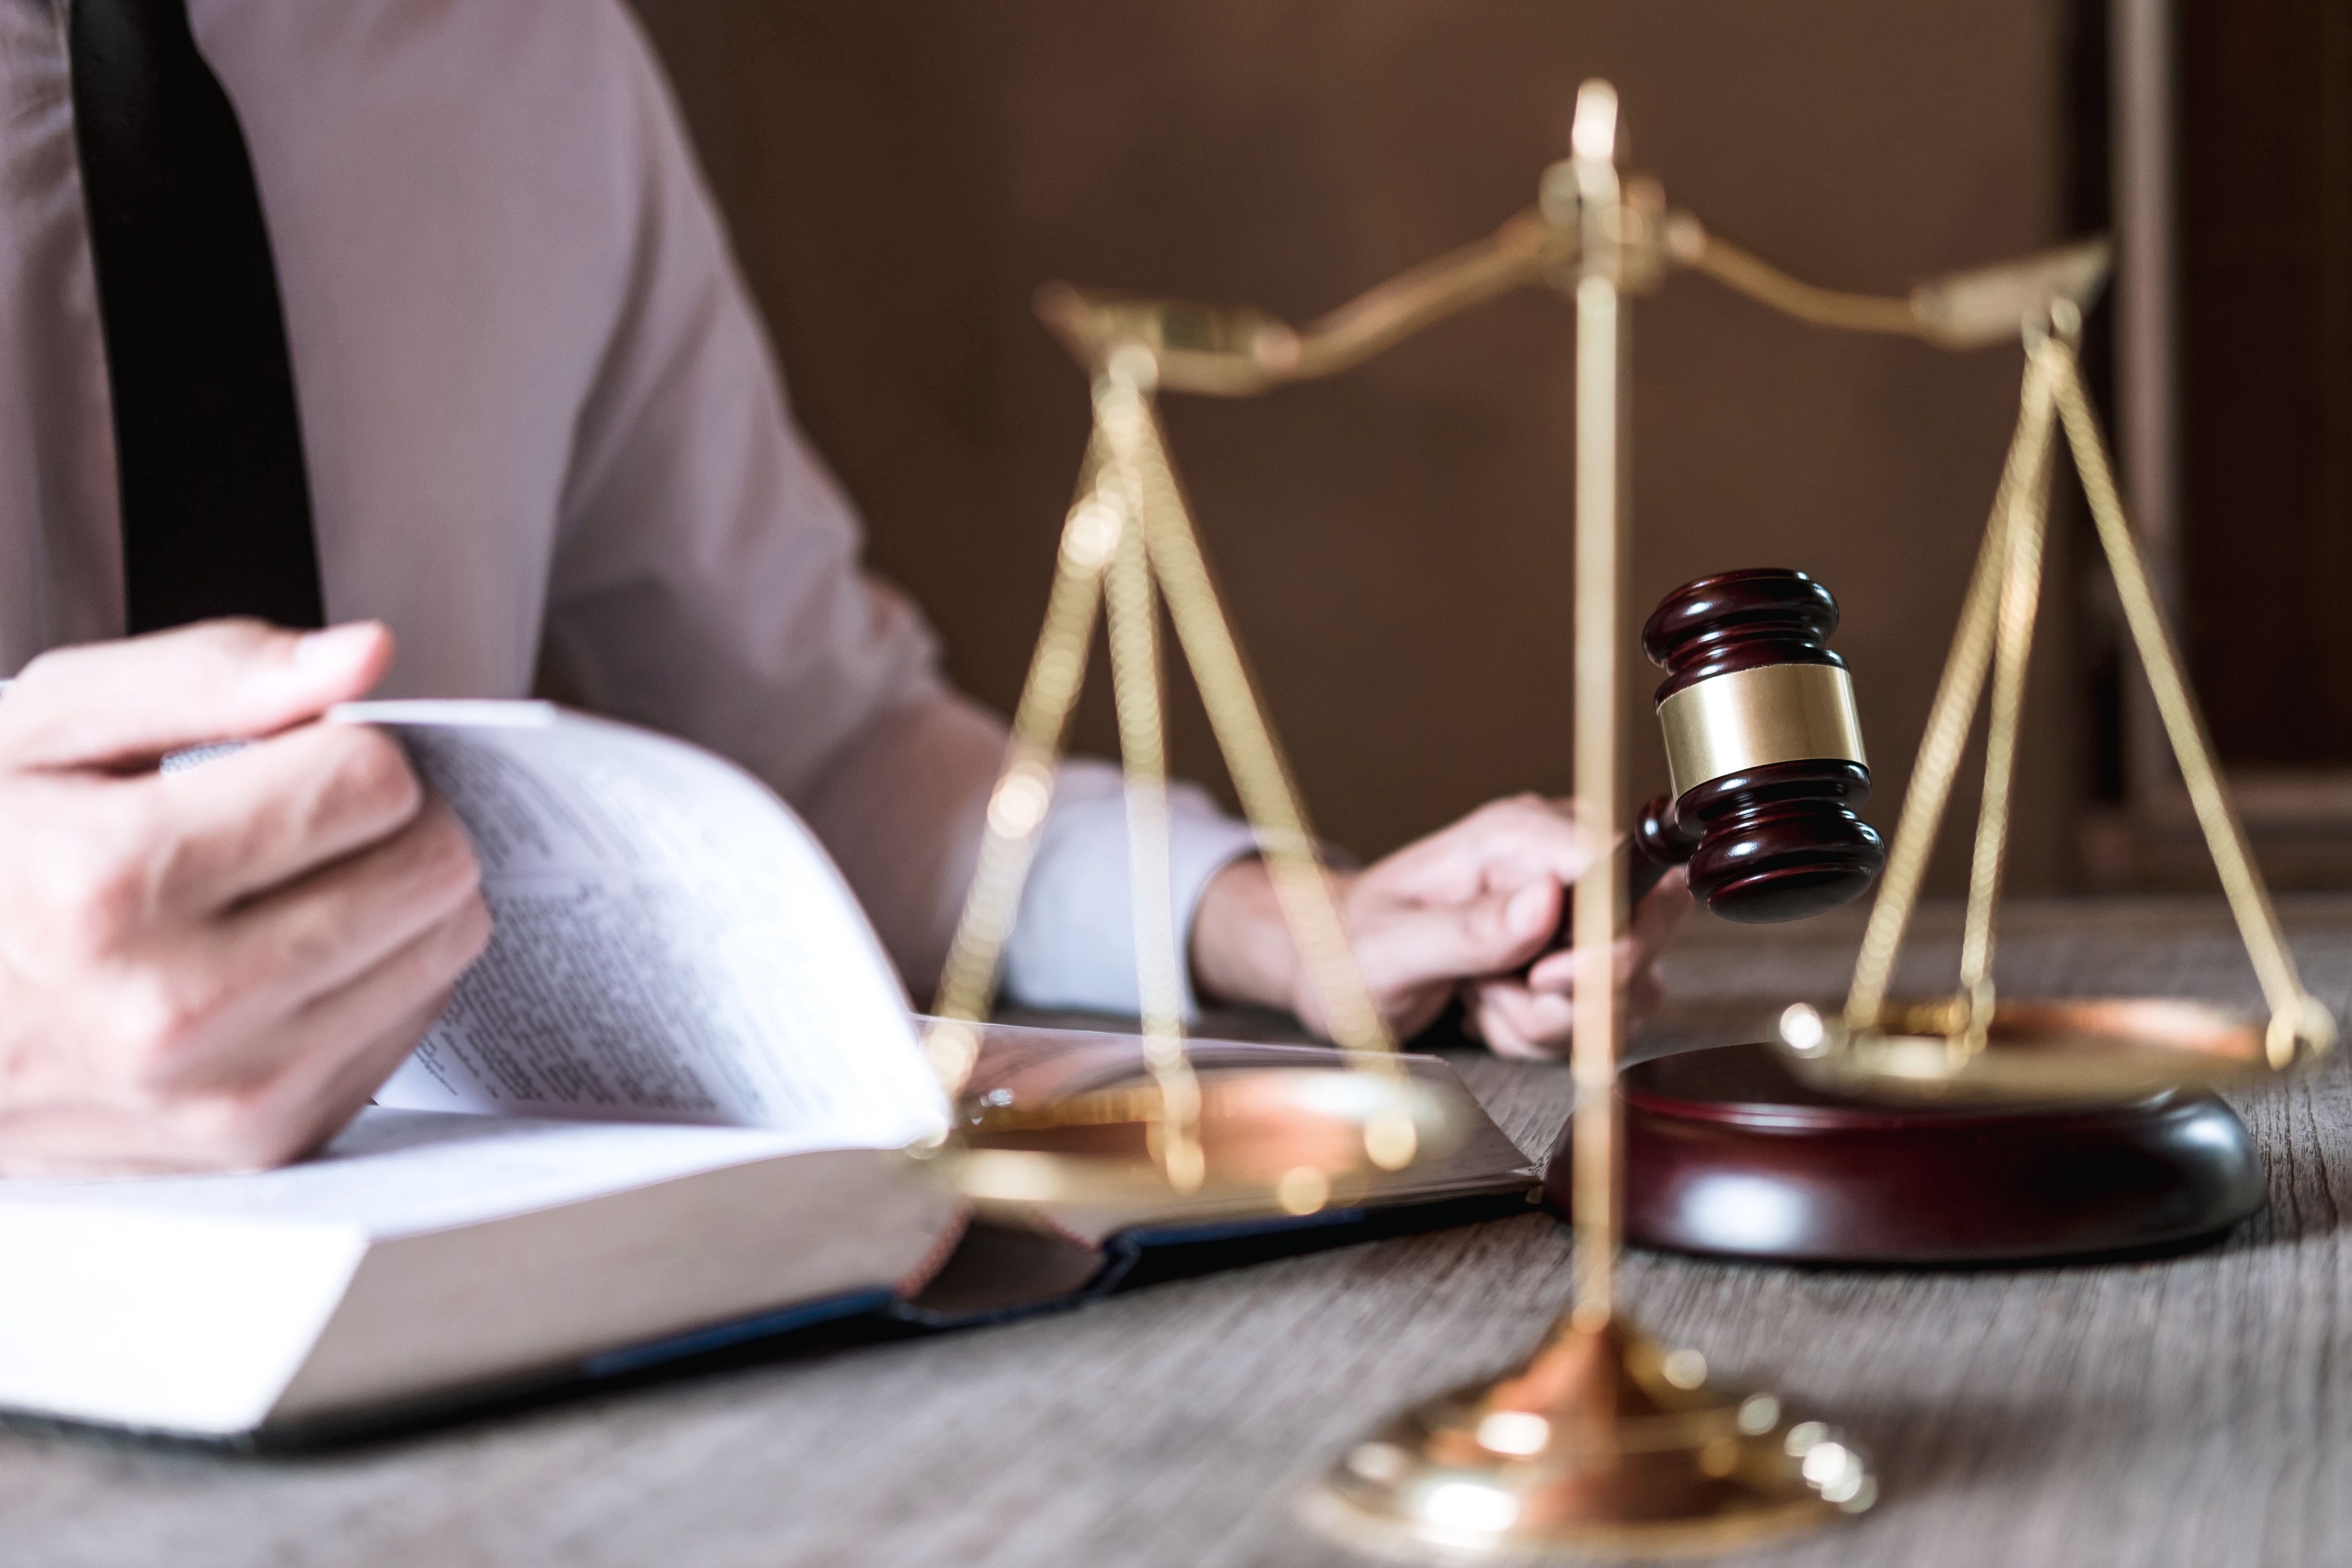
(543, 441)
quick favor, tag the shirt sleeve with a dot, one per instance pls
(1074, 944)
(707, 581)
(706, 576)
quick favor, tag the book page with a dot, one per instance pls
(671, 944)
(396, 1172)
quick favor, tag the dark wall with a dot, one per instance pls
(900, 177)
(2266, 273)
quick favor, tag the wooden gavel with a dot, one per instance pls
(1767, 762)
(1764, 750)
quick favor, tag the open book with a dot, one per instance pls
(664, 1111)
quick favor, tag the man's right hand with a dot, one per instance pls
(213, 969)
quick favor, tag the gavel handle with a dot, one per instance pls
(1656, 845)
(1642, 874)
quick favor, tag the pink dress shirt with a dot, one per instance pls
(548, 442)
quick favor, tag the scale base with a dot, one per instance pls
(1603, 1446)
(1727, 1153)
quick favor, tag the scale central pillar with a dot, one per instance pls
(1598, 908)
(1604, 1443)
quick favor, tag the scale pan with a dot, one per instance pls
(1299, 1137)
(2088, 1050)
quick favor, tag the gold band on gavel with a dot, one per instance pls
(1751, 717)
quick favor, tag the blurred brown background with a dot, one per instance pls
(900, 178)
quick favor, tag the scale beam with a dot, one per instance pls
(1234, 351)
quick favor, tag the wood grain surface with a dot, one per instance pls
(2194, 1411)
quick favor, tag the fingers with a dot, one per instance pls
(1536, 1018)
(355, 1080)
(1503, 844)
(343, 1047)
(330, 1059)
(1517, 1022)
(277, 810)
(1656, 917)
(1401, 948)
(126, 703)
(1655, 923)
(321, 936)
(1481, 897)
(213, 969)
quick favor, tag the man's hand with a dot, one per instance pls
(213, 969)
(1460, 911)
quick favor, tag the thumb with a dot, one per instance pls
(127, 702)
(1417, 945)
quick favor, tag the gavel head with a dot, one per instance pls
(1763, 747)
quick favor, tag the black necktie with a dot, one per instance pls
(215, 499)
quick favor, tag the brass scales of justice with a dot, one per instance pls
(1603, 1443)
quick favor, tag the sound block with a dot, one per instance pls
(1728, 1153)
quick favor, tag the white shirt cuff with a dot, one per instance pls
(1072, 945)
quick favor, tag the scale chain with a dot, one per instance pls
(1134, 627)
(2296, 1014)
(1024, 791)
(1270, 799)
(1995, 635)
(1949, 719)
(2025, 527)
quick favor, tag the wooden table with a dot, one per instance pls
(2197, 1411)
